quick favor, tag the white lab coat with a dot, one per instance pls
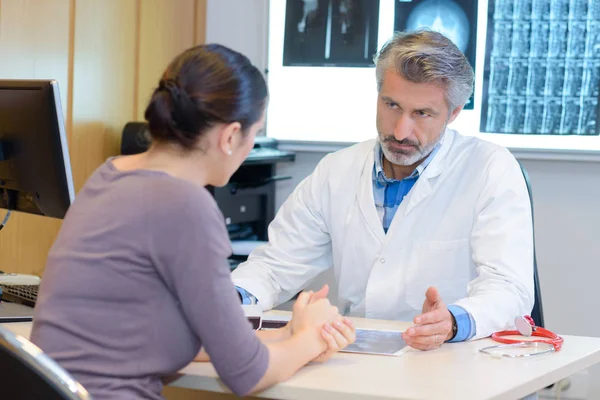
(465, 228)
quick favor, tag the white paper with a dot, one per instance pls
(377, 342)
(368, 341)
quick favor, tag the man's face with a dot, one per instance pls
(411, 118)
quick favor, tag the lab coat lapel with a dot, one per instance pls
(366, 200)
(424, 186)
(420, 191)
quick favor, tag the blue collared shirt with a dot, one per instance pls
(388, 194)
(247, 298)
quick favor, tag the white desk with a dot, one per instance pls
(455, 371)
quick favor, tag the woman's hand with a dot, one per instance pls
(302, 302)
(338, 336)
(312, 315)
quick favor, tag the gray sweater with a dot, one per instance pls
(136, 282)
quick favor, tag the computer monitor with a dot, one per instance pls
(35, 170)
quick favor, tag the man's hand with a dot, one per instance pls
(433, 327)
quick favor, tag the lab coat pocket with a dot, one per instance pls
(443, 264)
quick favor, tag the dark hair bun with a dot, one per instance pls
(203, 86)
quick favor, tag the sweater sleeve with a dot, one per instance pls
(189, 247)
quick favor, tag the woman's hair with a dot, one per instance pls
(204, 86)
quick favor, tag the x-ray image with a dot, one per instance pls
(340, 33)
(542, 72)
(456, 19)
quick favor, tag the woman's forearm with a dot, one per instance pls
(289, 355)
(275, 335)
(269, 336)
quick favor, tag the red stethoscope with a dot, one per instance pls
(548, 341)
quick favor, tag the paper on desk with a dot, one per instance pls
(377, 342)
(368, 341)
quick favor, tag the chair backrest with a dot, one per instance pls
(537, 312)
(26, 372)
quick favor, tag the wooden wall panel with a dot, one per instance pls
(34, 41)
(103, 81)
(200, 27)
(34, 44)
(107, 56)
(166, 29)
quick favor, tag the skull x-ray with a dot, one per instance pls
(455, 19)
(339, 33)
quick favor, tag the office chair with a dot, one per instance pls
(28, 373)
(537, 312)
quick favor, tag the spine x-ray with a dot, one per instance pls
(339, 33)
(542, 67)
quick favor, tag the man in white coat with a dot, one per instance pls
(420, 224)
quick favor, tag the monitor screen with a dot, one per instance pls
(35, 170)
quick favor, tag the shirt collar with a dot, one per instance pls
(379, 174)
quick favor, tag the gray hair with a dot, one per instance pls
(426, 56)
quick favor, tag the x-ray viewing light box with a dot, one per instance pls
(324, 97)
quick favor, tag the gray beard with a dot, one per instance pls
(407, 159)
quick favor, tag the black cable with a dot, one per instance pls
(6, 217)
(8, 211)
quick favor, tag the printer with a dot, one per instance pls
(247, 201)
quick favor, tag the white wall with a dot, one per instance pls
(567, 224)
(241, 25)
(566, 196)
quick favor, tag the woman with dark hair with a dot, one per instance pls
(137, 280)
